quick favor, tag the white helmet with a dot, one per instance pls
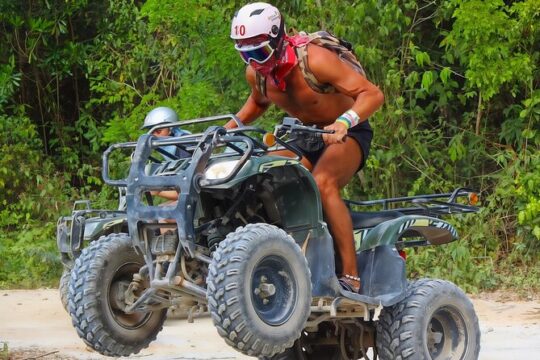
(257, 19)
(159, 115)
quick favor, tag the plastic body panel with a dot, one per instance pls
(382, 272)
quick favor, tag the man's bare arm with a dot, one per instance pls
(166, 194)
(255, 105)
(328, 68)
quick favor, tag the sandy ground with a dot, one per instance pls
(35, 326)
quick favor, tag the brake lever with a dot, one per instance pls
(322, 131)
(311, 129)
(303, 128)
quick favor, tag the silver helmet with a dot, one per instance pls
(158, 116)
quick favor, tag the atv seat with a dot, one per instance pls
(370, 219)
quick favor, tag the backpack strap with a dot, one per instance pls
(260, 83)
(311, 80)
(341, 48)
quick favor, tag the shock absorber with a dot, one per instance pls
(214, 239)
(217, 235)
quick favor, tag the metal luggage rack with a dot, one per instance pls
(429, 205)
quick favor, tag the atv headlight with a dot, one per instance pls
(220, 170)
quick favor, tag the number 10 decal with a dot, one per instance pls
(240, 30)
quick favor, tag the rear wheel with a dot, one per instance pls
(99, 279)
(63, 287)
(259, 290)
(435, 321)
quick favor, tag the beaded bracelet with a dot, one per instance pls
(355, 278)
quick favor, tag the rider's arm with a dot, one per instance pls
(255, 105)
(328, 68)
(166, 194)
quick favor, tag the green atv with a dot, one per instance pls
(247, 237)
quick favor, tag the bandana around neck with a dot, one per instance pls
(287, 62)
(279, 69)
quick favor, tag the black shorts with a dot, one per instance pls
(361, 133)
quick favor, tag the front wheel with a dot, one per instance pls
(435, 321)
(259, 290)
(99, 280)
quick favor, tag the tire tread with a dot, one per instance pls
(225, 276)
(83, 295)
(396, 324)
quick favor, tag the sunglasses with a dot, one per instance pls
(259, 53)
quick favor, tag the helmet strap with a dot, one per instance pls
(278, 42)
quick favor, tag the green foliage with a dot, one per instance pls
(9, 81)
(487, 40)
(28, 256)
(4, 353)
(528, 198)
(462, 108)
(455, 262)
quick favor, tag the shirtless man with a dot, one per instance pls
(259, 33)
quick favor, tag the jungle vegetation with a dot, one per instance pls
(461, 80)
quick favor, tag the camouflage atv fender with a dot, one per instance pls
(95, 228)
(85, 225)
(435, 231)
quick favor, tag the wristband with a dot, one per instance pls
(349, 118)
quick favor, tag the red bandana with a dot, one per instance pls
(287, 62)
(278, 70)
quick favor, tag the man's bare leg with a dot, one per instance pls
(333, 171)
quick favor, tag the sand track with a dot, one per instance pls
(35, 326)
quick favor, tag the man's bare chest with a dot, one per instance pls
(297, 92)
(301, 101)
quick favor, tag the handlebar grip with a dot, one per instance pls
(333, 132)
(313, 130)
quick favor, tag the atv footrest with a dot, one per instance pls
(150, 300)
(387, 300)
